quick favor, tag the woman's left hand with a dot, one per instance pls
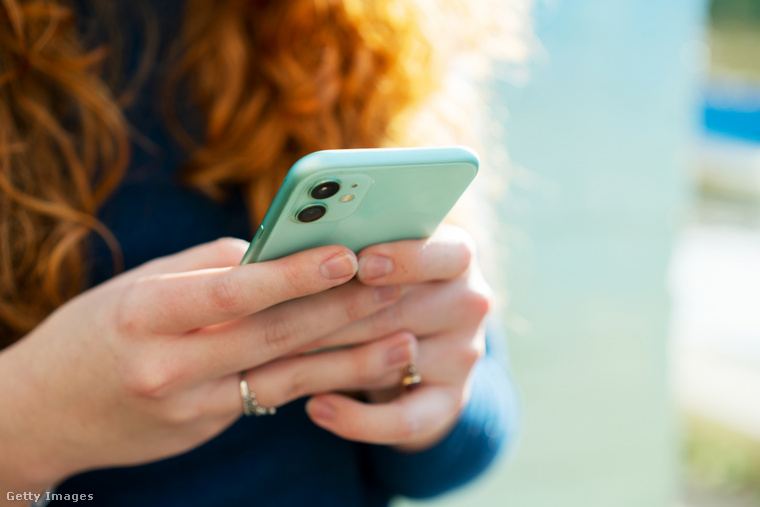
(445, 302)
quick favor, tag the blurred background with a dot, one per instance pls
(631, 233)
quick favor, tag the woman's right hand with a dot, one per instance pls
(145, 366)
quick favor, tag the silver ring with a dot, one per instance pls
(250, 404)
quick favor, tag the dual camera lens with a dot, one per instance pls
(325, 190)
(321, 191)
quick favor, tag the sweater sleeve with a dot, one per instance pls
(485, 429)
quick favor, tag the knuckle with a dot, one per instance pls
(467, 249)
(291, 276)
(479, 301)
(147, 379)
(364, 372)
(278, 333)
(408, 427)
(387, 320)
(468, 356)
(225, 295)
(299, 386)
(127, 317)
(355, 308)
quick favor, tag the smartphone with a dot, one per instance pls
(359, 198)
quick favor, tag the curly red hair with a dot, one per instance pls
(278, 80)
(273, 81)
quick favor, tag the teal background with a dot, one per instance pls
(598, 140)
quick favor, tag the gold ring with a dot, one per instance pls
(411, 378)
(250, 404)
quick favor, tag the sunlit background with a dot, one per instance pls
(631, 232)
(715, 273)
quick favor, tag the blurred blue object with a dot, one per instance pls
(732, 108)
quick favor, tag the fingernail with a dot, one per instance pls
(338, 266)
(321, 410)
(399, 355)
(375, 266)
(387, 293)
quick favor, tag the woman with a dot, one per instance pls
(128, 388)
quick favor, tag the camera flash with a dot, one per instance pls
(347, 198)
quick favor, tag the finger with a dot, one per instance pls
(175, 303)
(219, 253)
(445, 359)
(245, 343)
(425, 309)
(445, 255)
(282, 381)
(409, 417)
(449, 358)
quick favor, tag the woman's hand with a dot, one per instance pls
(146, 365)
(445, 302)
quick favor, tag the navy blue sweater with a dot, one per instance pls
(278, 460)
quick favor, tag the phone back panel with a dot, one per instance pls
(385, 195)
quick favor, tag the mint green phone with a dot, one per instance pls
(359, 198)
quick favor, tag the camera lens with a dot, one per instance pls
(325, 189)
(311, 213)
